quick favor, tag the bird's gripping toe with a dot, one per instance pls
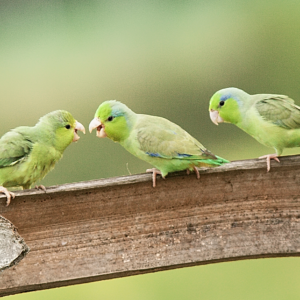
(8, 194)
(154, 173)
(269, 157)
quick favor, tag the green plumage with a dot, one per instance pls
(273, 120)
(27, 154)
(155, 140)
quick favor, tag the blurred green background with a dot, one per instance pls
(164, 58)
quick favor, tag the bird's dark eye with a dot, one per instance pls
(68, 126)
(110, 118)
(221, 103)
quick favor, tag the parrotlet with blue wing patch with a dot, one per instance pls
(27, 154)
(155, 140)
(273, 120)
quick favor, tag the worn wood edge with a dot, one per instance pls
(243, 165)
(108, 276)
(19, 239)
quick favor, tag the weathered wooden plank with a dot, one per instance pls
(12, 246)
(122, 226)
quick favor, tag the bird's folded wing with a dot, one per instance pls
(14, 147)
(159, 137)
(279, 110)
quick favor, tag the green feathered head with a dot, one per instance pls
(114, 120)
(60, 128)
(226, 104)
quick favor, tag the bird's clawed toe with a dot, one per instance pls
(41, 187)
(8, 194)
(154, 173)
(268, 158)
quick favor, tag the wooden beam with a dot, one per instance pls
(116, 227)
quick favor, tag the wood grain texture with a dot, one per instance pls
(12, 247)
(116, 227)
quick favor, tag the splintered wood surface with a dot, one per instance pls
(116, 227)
(12, 246)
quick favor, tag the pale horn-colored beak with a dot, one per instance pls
(215, 117)
(80, 127)
(96, 123)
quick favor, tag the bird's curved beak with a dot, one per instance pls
(80, 127)
(215, 117)
(96, 123)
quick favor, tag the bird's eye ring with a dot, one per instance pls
(68, 126)
(110, 118)
(221, 103)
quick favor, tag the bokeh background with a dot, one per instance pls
(163, 58)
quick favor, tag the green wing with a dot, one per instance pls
(14, 148)
(159, 137)
(279, 110)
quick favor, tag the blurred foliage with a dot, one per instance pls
(164, 58)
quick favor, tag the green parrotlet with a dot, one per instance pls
(153, 139)
(27, 154)
(273, 120)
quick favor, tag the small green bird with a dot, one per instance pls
(273, 120)
(27, 154)
(153, 139)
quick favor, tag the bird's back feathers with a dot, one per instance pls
(158, 137)
(280, 110)
(15, 146)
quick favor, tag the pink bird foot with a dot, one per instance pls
(41, 187)
(8, 194)
(269, 157)
(196, 171)
(154, 173)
